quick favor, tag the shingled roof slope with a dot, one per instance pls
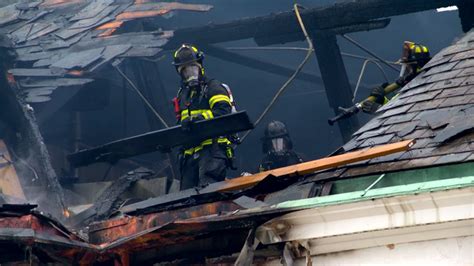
(436, 109)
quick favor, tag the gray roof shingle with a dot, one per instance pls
(436, 109)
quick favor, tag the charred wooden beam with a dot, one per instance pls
(319, 18)
(261, 65)
(299, 36)
(24, 140)
(336, 82)
(257, 64)
(163, 140)
(109, 200)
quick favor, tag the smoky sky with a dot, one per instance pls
(304, 106)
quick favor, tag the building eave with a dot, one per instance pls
(409, 213)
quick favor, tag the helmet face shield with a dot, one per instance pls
(276, 139)
(190, 73)
(278, 145)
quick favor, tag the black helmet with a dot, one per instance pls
(276, 130)
(187, 53)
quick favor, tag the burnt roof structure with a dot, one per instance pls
(64, 44)
(74, 43)
(429, 110)
(60, 49)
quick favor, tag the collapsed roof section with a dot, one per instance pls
(187, 219)
(28, 235)
(62, 43)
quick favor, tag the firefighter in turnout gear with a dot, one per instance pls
(277, 147)
(201, 98)
(414, 57)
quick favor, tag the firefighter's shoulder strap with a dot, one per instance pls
(214, 82)
(231, 97)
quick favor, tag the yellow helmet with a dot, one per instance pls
(415, 53)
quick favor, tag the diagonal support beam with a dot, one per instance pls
(336, 82)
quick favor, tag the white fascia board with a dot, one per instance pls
(387, 220)
(393, 236)
(440, 252)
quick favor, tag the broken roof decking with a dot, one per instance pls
(61, 43)
(134, 236)
(22, 228)
(436, 109)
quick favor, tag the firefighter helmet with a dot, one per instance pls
(276, 138)
(415, 53)
(186, 54)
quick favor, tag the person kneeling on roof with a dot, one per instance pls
(414, 57)
(201, 98)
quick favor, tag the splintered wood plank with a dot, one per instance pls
(9, 182)
(311, 166)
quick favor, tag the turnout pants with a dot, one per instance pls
(204, 167)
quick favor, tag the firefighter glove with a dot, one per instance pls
(379, 93)
(186, 124)
(370, 107)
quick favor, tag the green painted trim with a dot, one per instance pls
(404, 177)
(416, 188)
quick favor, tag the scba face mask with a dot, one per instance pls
(190, 74)
(278, 146)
